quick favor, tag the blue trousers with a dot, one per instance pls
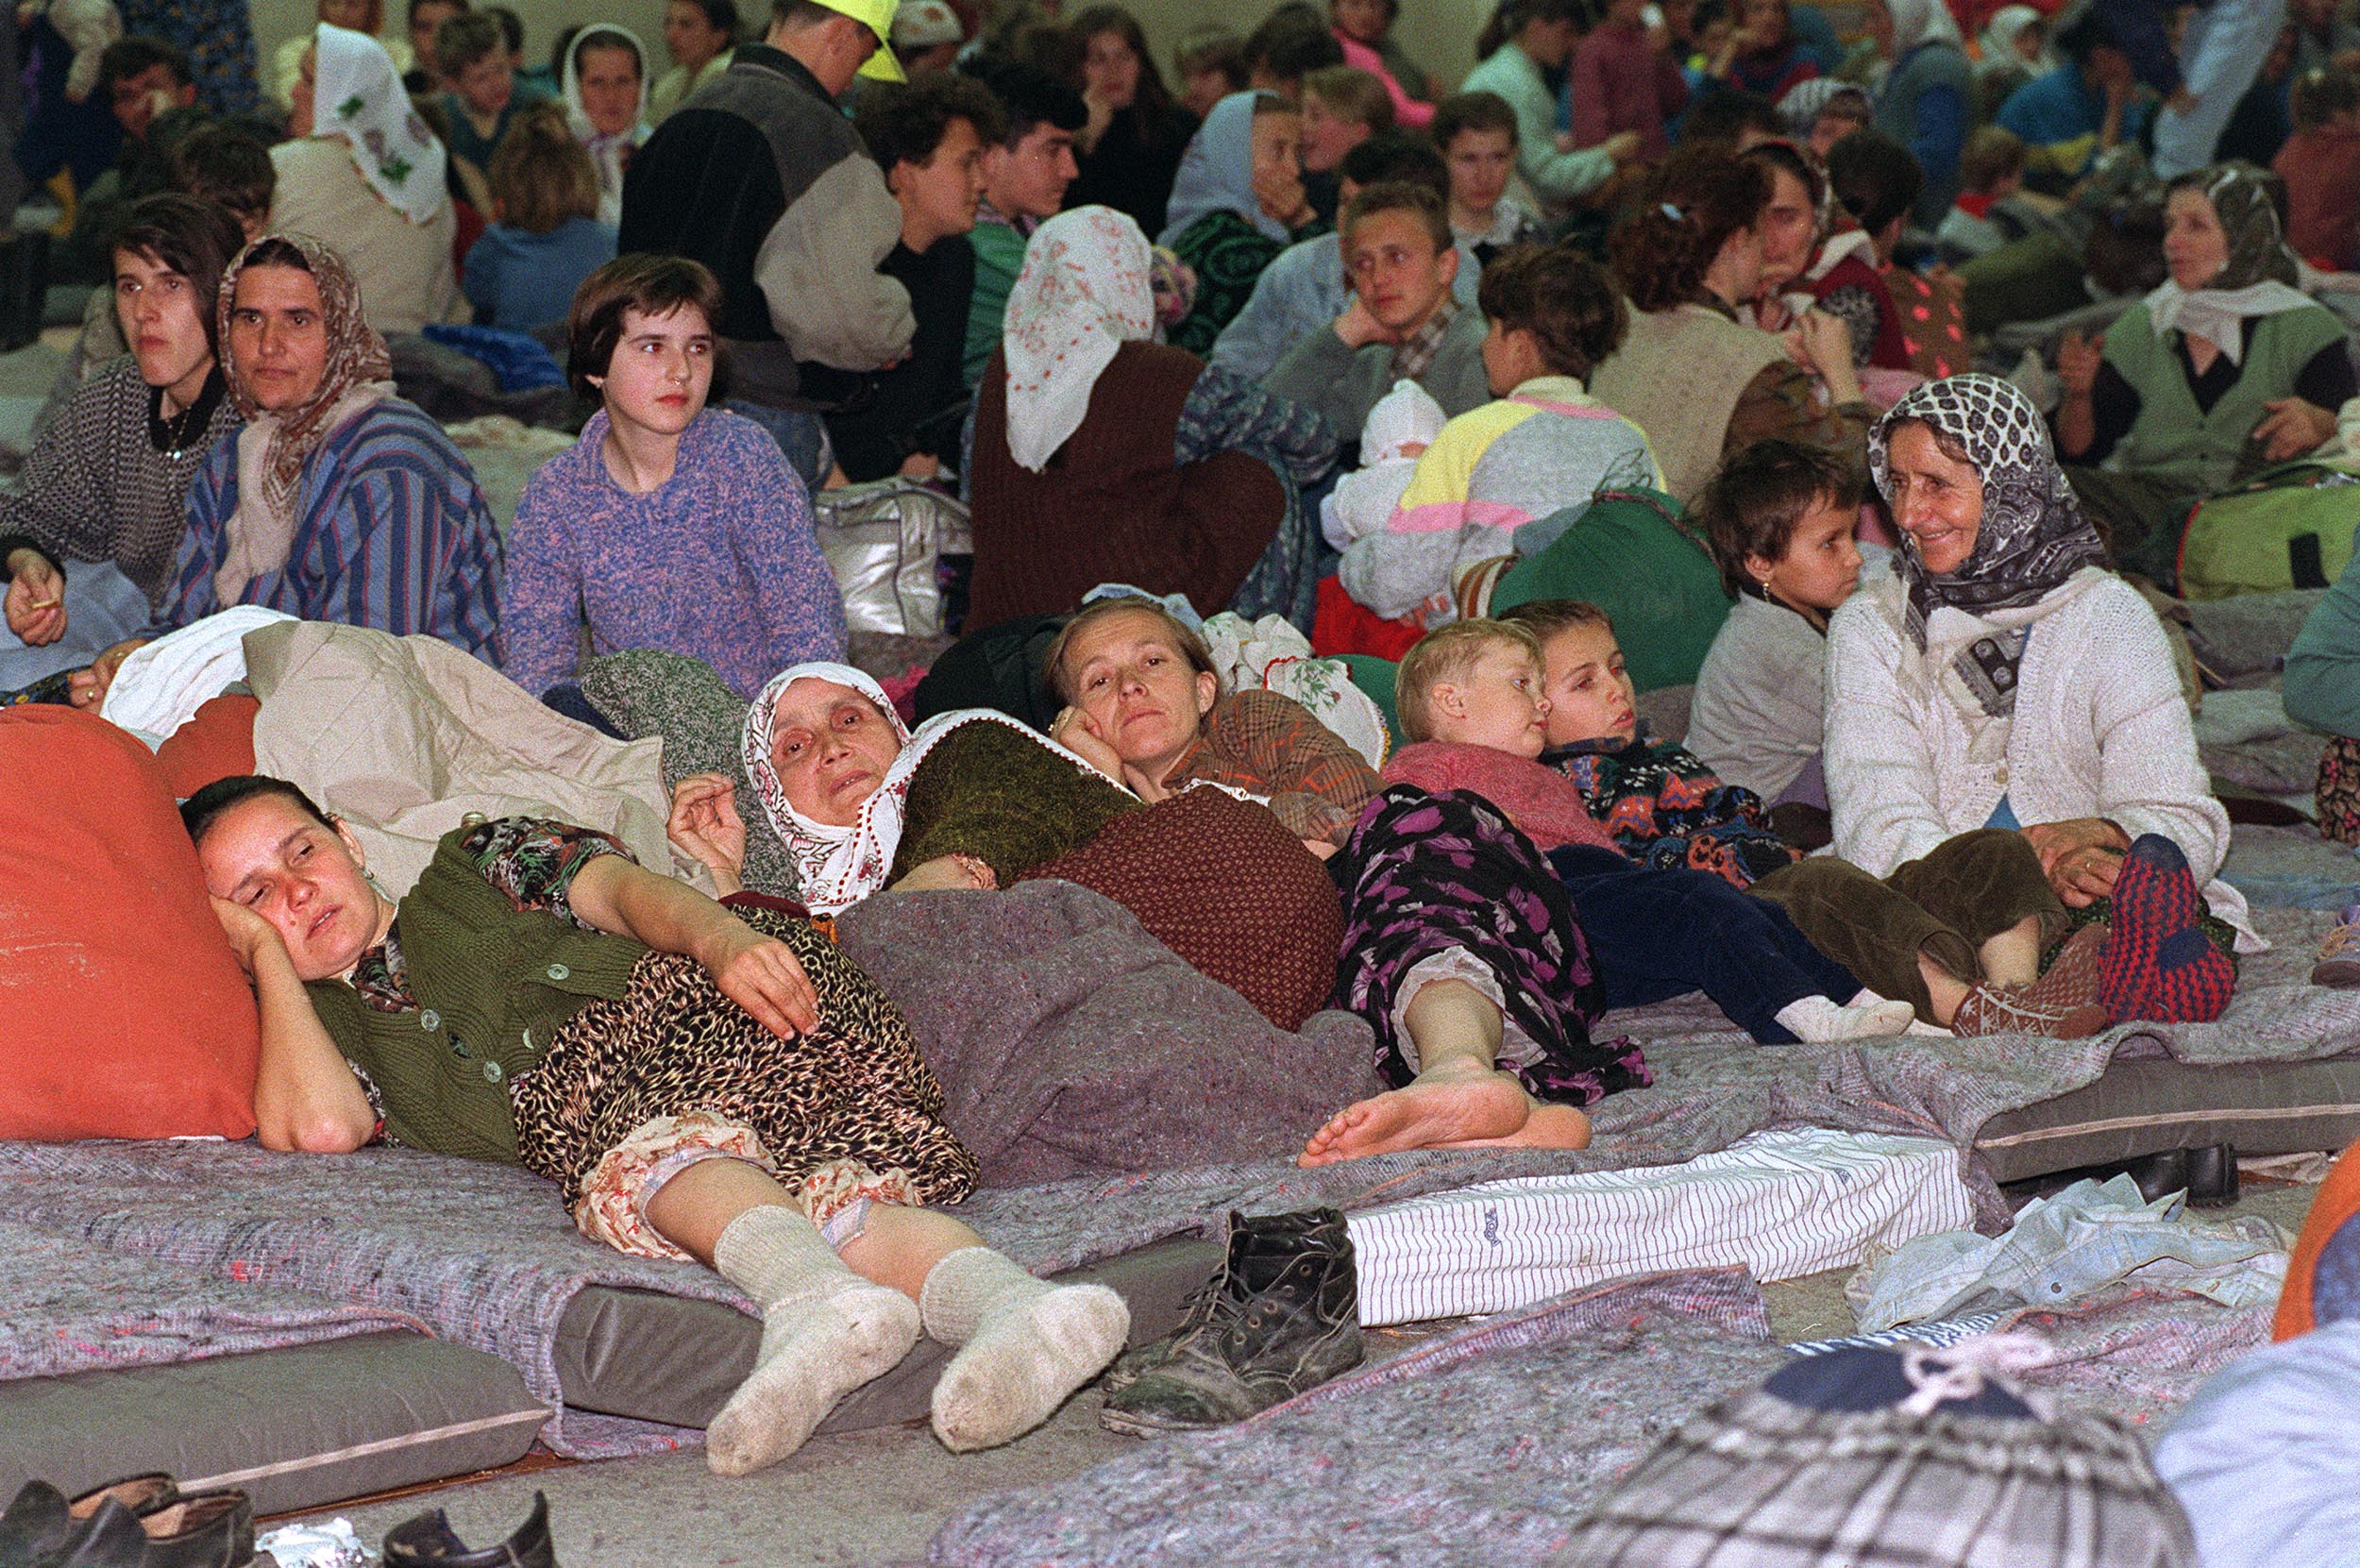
(1658, 935)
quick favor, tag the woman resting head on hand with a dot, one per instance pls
(541, 1000)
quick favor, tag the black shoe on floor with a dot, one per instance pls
(41, 1524)
(1272, 1236)
(205, 1529)
(2208, 1176)
(429, 1541)
(1283, 1315)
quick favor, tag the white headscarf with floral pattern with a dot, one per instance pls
(1083, 295)
(357, 94)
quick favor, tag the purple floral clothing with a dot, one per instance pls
(1426, 873)
(719, 562)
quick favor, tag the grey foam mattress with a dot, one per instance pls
(308, 1425)
(2148, 1105)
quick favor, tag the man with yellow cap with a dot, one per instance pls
(759, 175)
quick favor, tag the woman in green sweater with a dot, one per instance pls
(703, 1081)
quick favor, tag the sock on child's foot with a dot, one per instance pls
(825, 1331)
(1818, 1019)
(1025, 1344)
(2159, 964)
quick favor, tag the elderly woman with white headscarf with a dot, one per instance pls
(364, 168)
(2002, 678)
(1102, 456)
(605, 89)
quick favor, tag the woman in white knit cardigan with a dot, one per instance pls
(2003, 678)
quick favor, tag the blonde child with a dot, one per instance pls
(1473, 707)
(545, 236)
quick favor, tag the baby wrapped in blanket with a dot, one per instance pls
(1399, 430)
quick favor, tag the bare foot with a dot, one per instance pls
(1433, 1111)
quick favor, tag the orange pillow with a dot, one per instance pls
(218, 742)
(126, 1017)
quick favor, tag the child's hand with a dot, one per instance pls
(761, 976)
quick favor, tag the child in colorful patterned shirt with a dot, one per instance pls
(1663, 807)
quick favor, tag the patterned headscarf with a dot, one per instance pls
(609, 153)
(273, 447)
(1084, 293)
(2258, 279)
(837, 867)
(2032, 536)
(1999, 39)
(1217, 172)
(358, 95)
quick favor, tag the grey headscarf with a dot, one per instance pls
(2032, 536)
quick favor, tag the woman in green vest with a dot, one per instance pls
(2225, 368)
(702, 1081)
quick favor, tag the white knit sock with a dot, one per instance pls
(1027, 1345)
(825, 1331)
(1866, 1016)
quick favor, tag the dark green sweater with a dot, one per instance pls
(989, 790)
(492, 986)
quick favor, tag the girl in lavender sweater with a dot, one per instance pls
(669, 525)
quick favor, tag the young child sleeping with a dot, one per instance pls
(1472, 706)
(1662, 807)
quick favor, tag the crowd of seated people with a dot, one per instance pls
(1279, 325)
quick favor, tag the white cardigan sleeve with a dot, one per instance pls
(2122, 694)
(1881, 767)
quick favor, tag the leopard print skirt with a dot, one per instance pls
(854, 1090)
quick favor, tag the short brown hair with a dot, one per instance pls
(1444, 656)
(464, 38)
(1184, 637)
(540, 175)
(652, 285)
(1352, 94)
(1993, 154)
(1545, 617)
(1755, 502)
(1698, 197)
(1563, 298)
(2319, 96)
(1399, 196)
(1466, 112)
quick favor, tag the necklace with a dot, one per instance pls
(171, 436)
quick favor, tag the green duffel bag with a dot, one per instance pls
(1630, 553)
(2290, 528)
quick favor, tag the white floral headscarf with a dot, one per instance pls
(358, 95)
(1083, 295)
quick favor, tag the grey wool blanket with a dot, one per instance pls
(1116, 1100)
(1487, 1445)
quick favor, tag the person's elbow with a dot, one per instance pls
(2319, 693)
(324, 1131)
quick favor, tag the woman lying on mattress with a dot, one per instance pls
(973, 799)
(2003, 678)
(700, 1081)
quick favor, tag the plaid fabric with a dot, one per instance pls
(1979, 1481)
(1266, 744)
(1414, 355)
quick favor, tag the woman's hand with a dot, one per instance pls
(1072, 730)
(1824, 344)
(2081, 857)
(250, 936)
(1101, 111)
(2294, 427)
(35, 606)
(2078, 361)
(1281, 195)
(705, 824)
(89, 687)
(948, 873)
(760, 974)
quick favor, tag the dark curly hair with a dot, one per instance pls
(1698, 198)
(905, 124)
(1562, 297)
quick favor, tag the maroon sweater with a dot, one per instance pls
(1112, 505)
